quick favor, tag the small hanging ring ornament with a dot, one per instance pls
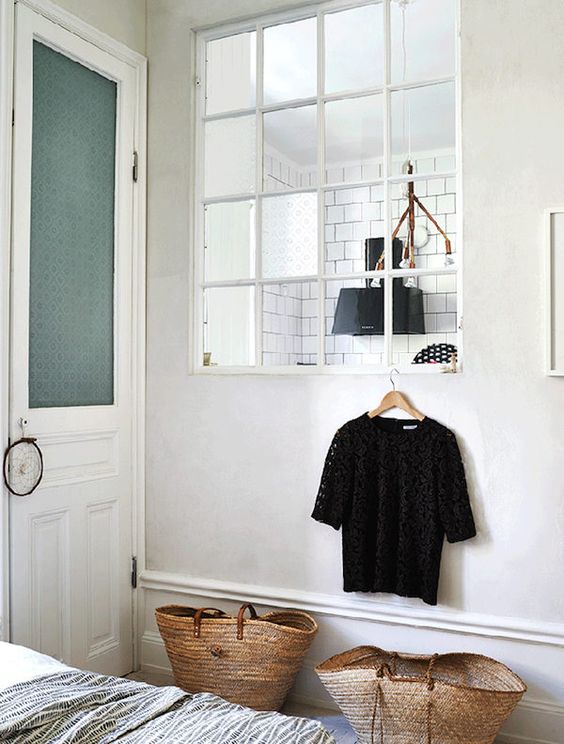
(23, 465)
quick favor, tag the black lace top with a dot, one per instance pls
(396, 487)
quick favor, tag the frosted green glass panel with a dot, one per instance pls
(72, 234)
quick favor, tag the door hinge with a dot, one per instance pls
(13, 117)
(135, 170)
(134, 571)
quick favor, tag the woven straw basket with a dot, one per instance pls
(392, 698)
(251, 662)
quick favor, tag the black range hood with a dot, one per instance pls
(360, 310)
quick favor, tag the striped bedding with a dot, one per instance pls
(75, 706)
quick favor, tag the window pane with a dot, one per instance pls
(290, 323)
(231, 73)
(424, 127)
(289, 235)
(354, 49)
(351, 217)
(230, 156)
(427, 48)
(354, 139)
(425, 319)
(230, 241)
(72, 234)
(290, 61)
(229, 335)
(290, 148)
(354, 322)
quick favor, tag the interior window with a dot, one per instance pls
(327, 197)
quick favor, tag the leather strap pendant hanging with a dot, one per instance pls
(409, 214)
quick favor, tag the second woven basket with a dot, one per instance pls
(392, 698)
(252, 662)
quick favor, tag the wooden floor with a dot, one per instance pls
(334, 723)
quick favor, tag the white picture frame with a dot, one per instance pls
(554, 292)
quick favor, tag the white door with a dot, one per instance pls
(74, 107)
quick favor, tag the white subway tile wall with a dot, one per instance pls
(351, 216)
(289, 323)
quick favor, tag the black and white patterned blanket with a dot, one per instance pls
(82, 707)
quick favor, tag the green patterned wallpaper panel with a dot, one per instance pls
(72, 234)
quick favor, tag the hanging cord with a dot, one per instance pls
(430, 688)
(429, 721)
(406, 101)
(409, 249)
(380, 673)
(408, 256)
(408, 253)
(378, 707)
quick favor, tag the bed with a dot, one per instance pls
(45, 702)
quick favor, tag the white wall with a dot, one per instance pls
(233, 462)
(123, 20)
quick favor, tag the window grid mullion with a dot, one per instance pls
(258, 194)
(400, 273)
(459, 194)
(320, 191)
(200, 320)
(278, 17)
(399, 178)
(388, 253)
(329, 97)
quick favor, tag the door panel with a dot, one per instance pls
(72, 233)
(50, 583)
(80, 456)
(71, 345)
(102, 562)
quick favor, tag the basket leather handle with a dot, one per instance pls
(240, 615)
(198, 618)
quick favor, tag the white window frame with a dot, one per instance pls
(552, 369)
(258, 24)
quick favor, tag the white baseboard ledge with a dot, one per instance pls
(359, 608)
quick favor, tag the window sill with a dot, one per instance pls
(330, 370)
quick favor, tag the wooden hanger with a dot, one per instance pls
(395, 399)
